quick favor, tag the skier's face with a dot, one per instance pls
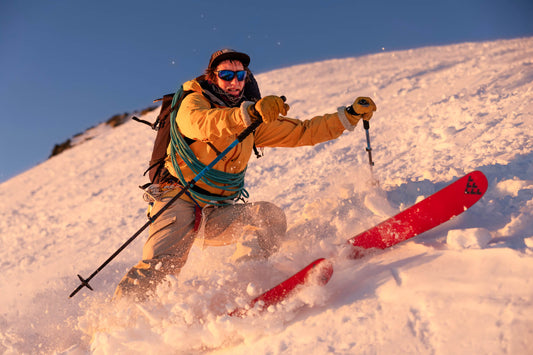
(234, 86)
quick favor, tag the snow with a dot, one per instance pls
(474, 238)
(464, 287)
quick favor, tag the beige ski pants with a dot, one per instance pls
(257, 228)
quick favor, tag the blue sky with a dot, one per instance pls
(67, 65)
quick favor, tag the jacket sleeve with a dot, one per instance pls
(198, 120)
(290, 132)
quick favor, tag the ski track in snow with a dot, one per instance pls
(464, 287)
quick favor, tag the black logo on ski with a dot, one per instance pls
(471, 187)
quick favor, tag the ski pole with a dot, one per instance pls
(366, 125)
(245, 133)
(368, 148)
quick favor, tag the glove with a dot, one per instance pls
(268, 108)
(362, 107)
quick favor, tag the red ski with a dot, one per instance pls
(434, 210)
(322, 269)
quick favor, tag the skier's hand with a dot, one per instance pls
(363, 107)
(269, 108)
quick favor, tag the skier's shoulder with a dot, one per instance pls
(195, 93)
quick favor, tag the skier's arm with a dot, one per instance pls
(289, 132)
(198, 120)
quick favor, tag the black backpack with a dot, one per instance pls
(156, 169)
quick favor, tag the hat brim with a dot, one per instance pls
(241, 57)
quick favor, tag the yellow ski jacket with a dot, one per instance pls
(221, 125)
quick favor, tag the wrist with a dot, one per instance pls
(351, 111)
(245, 112)
(348, 121)
(252, 111)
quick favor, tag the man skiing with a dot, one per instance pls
(219, 105)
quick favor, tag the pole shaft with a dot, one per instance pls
(240, 138)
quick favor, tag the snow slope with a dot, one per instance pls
(465, 287)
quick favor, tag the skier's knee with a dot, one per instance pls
(273, 217)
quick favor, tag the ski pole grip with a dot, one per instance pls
(363, 102)
(254, 125)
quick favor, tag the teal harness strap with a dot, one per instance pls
(213, 178)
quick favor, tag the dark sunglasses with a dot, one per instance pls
(228, 75)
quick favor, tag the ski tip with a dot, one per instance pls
(477, 183)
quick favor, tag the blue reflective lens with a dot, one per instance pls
(228, 75)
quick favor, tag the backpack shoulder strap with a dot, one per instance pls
(156, 169)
